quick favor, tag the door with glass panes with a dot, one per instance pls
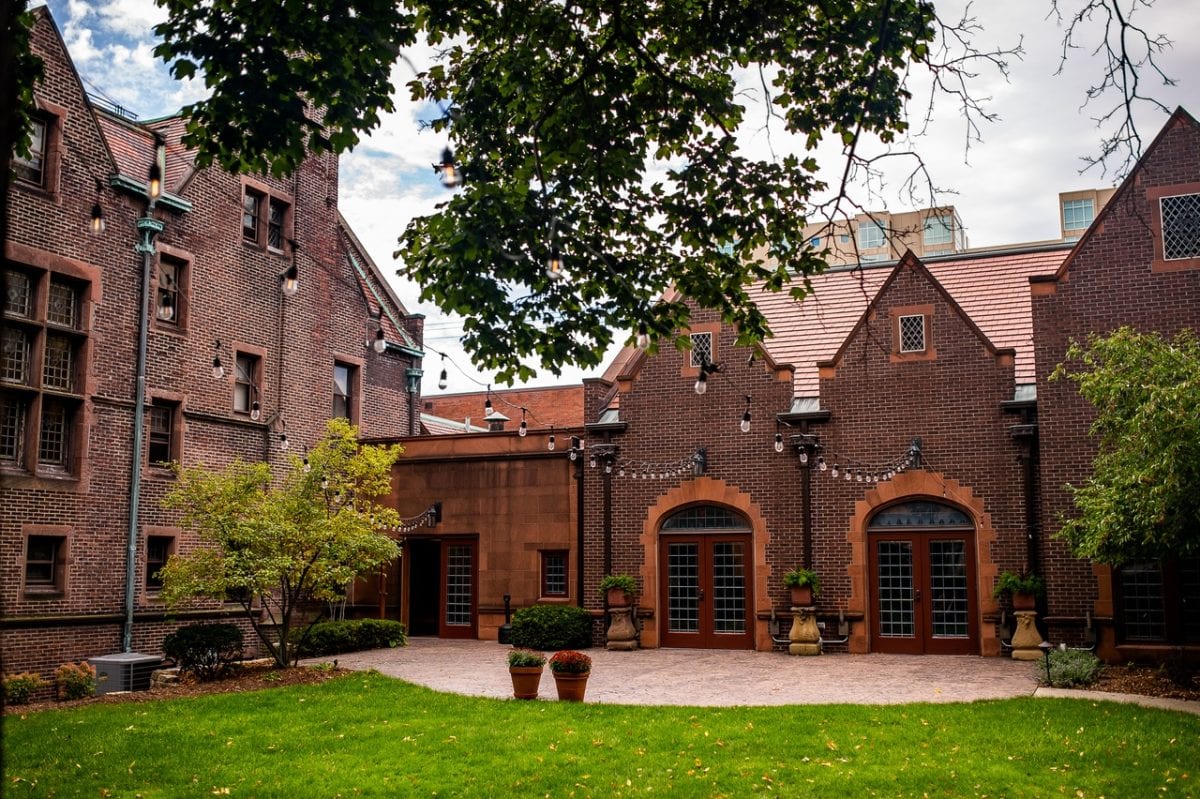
(706, 578)
(442, 575)
(922, 562)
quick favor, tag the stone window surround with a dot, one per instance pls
(714, 329)
(179, 325)
(266, 194)
(930, 351)
(62, 566)
(152, 471)
(356, 384)
(55, 117)
(543, 554)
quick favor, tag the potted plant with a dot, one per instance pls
(570, 670)
(619, 589)
(805, 585)
(1024, 588)
(525, 668)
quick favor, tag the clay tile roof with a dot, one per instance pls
(551, 406)
(437, 426)
(132, 146)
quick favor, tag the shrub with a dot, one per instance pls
(75, 680)
(526, 658)
(1024, 583)
(552, 627)
(570, 662)
(349, 635)
(622, 581)
(206, 650)
(798, 578)
(1069, 668)
(19, 687)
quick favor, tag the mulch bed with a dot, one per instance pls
(1147, 681)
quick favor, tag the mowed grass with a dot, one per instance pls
(368, 735)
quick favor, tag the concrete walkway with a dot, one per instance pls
(720, 678)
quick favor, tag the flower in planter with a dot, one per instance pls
(569, 661)
(526, 658)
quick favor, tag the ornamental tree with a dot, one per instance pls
(278, 546)
(1142, 500)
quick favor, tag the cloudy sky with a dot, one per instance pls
(1005, 187)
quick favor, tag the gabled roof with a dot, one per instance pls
(550, 406)
(133, 148)
(382, 303)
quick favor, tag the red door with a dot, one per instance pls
(706, 583)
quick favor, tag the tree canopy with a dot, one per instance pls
(1143, 498)
(277, 548)
(602, 136)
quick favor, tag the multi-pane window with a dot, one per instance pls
(245, 382)
(42, 351)
(554, 573)
(1160, 602)
(702, 349)
(276, 211)
(939, 230)
(251, 210)
(162, 433)
(1078, 214)
(1180, 226)
(32, 168)
(44, 555)
(912, 333)
(870, 235)
(158, 551)
(343, 390)
(167, 307)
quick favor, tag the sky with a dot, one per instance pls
(1004, 187)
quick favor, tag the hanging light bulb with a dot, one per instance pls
(608, 467)
(154, 187)
(443, 378)
(283, 442)
(573, 454)
(835, 471)
(804, 456)
(96, 223)
(380, 343)
(324, 483)
(849, 475)
(218, 371)
(621, 471)
(554, 265)
(744, 426)
(523, 428)
(550, 443)
(307, 465)
(255, 411)
(643, 336)
(447, 170)
(289, 281)
(701, 383)
(779, 442)
(592, 462)
(487, 405)
(166, 308)
(821, 464)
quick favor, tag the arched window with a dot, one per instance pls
(704, 517)
(920, 513)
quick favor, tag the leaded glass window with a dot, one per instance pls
(18, 294)
(1180, 226)
(702, 349)
(920, 513)
(64, 305)
(58, 368)
(53, 442)
(705, 517)
(912, 333)
(15, 365)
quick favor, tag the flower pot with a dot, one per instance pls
(617, 598)
(802, 596)
(571, 687)
(1022, 600)
(525, 680)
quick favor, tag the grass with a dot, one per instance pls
(368, 735)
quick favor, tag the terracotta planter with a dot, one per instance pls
(802, 596)
(1024, 601)
(525, 680)
(617, 598)
(571, 687)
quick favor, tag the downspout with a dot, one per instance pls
(608, 567)
(579, 531)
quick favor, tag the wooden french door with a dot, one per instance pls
(706, 597)
(923, 598)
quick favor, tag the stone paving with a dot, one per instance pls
(713, 677)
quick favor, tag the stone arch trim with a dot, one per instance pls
(921, 484)
(704, 491)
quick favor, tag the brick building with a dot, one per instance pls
(258, 274)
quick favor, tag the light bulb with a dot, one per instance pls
(442, 379)
(96, 223)
(255, 411)
(803, 456)
(447, 171)
(574, 454)
(154, 187)
(621, 472)
(608, 467)
(701, 383)
(554, 265)
(779, 442)
(550, 442)
(643, 337)
(858, 475)
(849, 475)
(744, 426)
(166, 308)
(821, 464)
(523, 428)
(380, 343)
(307, 465)
(283, 442)
(592, 462)
(290, 281)
(218, 371)
(487, 405)
(835, 471)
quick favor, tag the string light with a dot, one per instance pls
(701, 385)
(96, 223)
(523, 427)
(218, 371)
(380, 343)
(803, 456)
(447, 172)
(255, 411)
(779, 442)
(643, 336)
(744, 426)
(554, 265)
(289, 283)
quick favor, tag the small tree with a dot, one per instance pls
(279, 547)
(1143, 498)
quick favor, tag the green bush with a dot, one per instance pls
(75, 680)
(552, 627)
(349, 635)
(1069, 668)
(19, 687)
(206, 650)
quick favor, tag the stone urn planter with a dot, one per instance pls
(802, 596)
(804, 584)
(618, 590)
(571, 671)
(525, 668)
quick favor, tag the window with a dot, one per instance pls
(1078, 214)
(870, 235)
(43, 352)
(844, 238)
(162, 444)
(702, 349)
(245, 382)
(159, 549)
(277, 209)
(44, 559)
(32, 168)
(814, 242)
(939, 230)
(251, 211)
(168, 297)
(1160, 602)
(1180, 226)
(554, 573)
(343, 390)
(912, 333)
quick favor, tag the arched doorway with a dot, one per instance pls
(706, 578)
(922, 573)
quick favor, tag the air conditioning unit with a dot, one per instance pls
(127, 671)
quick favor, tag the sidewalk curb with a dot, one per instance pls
(1181, 705)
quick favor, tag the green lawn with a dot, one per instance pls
(368, 735)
